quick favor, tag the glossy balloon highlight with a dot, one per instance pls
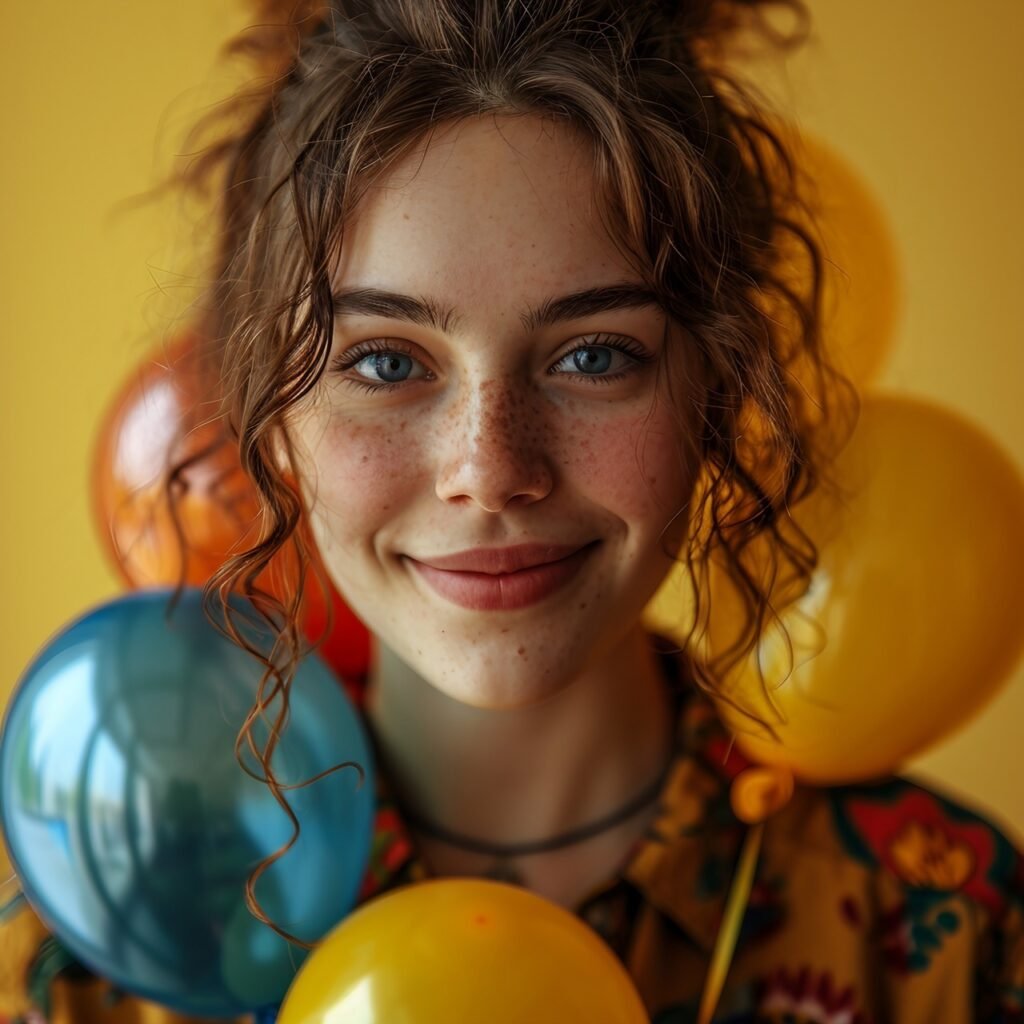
(133, 828)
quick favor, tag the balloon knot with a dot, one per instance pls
(759, 792)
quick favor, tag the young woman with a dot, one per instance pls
(499, 329)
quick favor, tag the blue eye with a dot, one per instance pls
(380, 368)
(390, 367)
(605, 362)
(592, 360)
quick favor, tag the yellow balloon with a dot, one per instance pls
(459, 949)
(863, 276)
(913, 616)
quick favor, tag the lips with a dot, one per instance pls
(495, 579)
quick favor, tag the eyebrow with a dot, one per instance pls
(428, 312)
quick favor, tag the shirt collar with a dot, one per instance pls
(684, 866)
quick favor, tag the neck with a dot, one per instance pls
(509, 776)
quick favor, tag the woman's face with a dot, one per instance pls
(494, 476)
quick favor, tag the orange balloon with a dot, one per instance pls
(459, 949)
(912, 619)
(157, 421)
(147, 429)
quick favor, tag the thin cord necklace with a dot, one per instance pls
(504, 853)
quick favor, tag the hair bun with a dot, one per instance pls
(715, 24)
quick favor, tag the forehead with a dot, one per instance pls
(487, 213)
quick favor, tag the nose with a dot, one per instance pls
(494, 452)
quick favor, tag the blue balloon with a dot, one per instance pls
(133, 828)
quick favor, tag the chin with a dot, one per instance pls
(496, 680)
(498, 698)
(484, 699)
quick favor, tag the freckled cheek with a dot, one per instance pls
(630, 465)
(364, 476)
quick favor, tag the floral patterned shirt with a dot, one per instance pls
(877, 903)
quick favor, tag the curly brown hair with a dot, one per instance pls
(701, 197)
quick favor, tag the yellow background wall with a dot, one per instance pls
(923, 99)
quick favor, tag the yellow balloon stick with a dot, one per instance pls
(729, 930)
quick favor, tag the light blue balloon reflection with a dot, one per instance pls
(133, 828)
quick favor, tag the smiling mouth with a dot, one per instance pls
(503, 579)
